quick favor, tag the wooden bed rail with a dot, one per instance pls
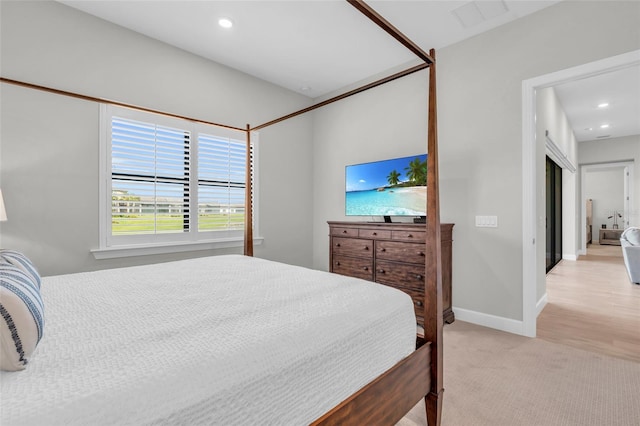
(389, 397)
(111, 102)
(368, 11)
(342, 96)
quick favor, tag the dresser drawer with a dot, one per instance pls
(392, 254)
(418, 308)
(403, 235)
(352, 247)
(345, 232)
(418, 304)
(375, 233)
(402, 276)
(401, 251)
(353, 267)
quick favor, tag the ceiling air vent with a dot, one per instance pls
(603, 136)
(473, 13)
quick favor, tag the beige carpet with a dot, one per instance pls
(494, 378)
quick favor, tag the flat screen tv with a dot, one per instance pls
(393, 187)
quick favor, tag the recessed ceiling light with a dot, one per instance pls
(225, 22)
(305, 88)
(588, 129)
(604, 126)
(603, 105)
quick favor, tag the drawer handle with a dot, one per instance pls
(420, 253)
(410, 236)
(375, 233)
(337, 263)
(418, 303)
(366, 248)
(366, 268)
(383, 249)
(381, 271)
(344, 231)
(419, 277)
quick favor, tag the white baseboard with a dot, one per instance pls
(541, 304)
(569, 257)
(487, 320)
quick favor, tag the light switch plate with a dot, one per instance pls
(487, 221)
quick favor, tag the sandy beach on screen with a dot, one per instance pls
(414, 197)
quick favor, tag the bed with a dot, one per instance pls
(215, 340)
(380, 393)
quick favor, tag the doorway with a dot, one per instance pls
(609, 185)
(532, 228)
(553, 214)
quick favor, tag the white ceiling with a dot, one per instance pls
(318, 47)
(620, 89)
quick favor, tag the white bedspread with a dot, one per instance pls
(218, 341)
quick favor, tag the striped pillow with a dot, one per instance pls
(21, 261)
(21, 310)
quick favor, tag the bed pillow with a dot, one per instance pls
(21, 310)
(21, 261)
(632, 235)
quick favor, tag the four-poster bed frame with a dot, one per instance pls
(420, 375)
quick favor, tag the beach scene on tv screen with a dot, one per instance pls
(394, 187)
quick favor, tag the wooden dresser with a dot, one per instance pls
(392, 254)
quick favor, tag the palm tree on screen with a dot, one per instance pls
(393, 177)
(417, 172)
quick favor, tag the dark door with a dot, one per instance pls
(554, 214)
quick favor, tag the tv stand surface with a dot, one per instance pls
(392, 254)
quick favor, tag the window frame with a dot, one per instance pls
(111, 246)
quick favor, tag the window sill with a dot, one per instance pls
(164, 248)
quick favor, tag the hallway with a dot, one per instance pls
(592, 305)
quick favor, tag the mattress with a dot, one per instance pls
(217, 340)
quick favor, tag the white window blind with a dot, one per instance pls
(221, 182)
(150, 175)
(171, 181)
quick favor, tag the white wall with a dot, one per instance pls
(605, 188)
(386, 122)
(612, 151)
(49, 145)
(479, 95)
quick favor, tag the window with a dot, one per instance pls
(169, 182)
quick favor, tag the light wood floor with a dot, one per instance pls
(592, 305)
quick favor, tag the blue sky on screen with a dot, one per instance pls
(367, 176)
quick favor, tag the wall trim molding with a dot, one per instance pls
(487, 320)
(541, 304)
(169, 248)
(557, 154)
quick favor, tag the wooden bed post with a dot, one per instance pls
(433, 321)
(248, 201)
